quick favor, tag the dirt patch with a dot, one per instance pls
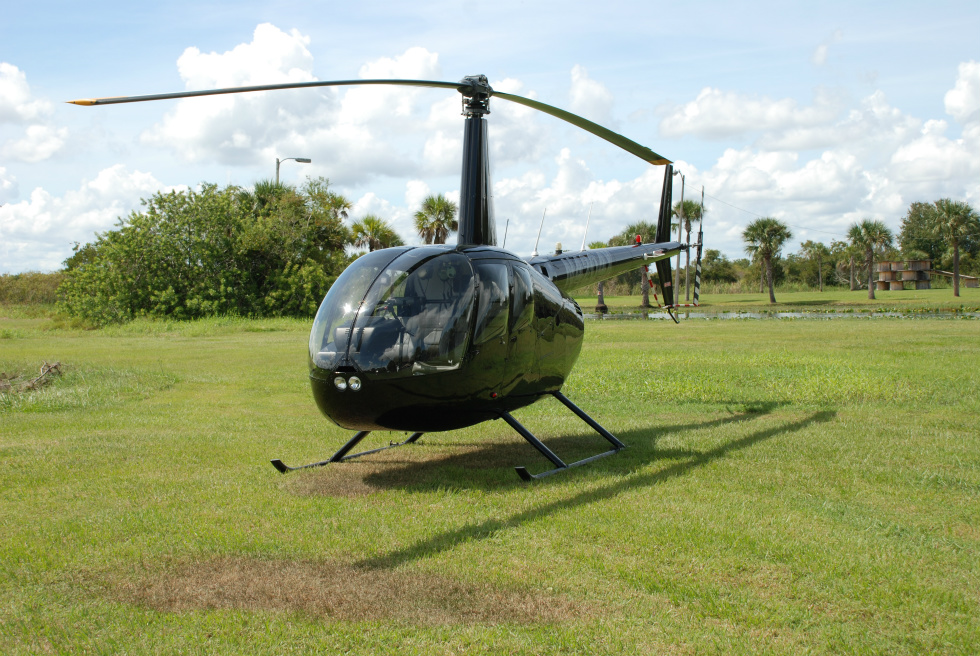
(341, 592)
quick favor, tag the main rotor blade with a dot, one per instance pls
(267, 87)
(464, 86)
(626, 144)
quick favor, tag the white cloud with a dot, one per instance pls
(232, 128)
(39, 143)
(819, 57)
(401, 217)
(590, 98)
(935, 164)
(351, 135)
(17, 105)
(872, 131)
(273, 56)
(8, 186)
(716, 114)
(36, 234)
(872, 160)
(567, 197)
(963, 100)
(416, 191)
(517, 132)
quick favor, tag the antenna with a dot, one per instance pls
(535, 253)
(586, 234)
(506, 225)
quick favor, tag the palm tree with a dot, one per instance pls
(693, 213)
(763, 238)
(953, 220)
(264, 197)
(870, 236)
(816, 250)
(436, 219)
(375, 233)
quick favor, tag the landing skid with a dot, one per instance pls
(560, 465)
(341, 455)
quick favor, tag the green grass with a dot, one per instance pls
(790, 487)
(831, 300)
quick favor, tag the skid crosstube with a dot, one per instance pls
(341, 455)
(560, 465)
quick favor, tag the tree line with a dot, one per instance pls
(947, 232)
(273, 250)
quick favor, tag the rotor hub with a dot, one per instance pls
(476, 92)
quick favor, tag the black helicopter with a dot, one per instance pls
(436, 338)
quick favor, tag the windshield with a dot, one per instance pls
(331, 328)
(414, 318)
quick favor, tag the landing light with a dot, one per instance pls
(355, 383)
(340, 383)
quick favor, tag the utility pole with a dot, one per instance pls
(680, 238)
(687, 258)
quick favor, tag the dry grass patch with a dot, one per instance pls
(338, 591)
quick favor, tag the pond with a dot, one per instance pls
(700, 314)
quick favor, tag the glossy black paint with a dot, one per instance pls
(500, 333)
(476, 225)
(530, 355)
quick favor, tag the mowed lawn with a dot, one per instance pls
(790, 487)
(940, 301)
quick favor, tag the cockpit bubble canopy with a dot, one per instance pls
(396, 312)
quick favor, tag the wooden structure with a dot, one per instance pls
(895, 275)
(965, 281)
(914, 273)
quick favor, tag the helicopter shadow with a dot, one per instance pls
(688, 461)
(478, 466)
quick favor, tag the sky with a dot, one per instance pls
(818, 114)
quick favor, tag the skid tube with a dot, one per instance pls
(560, 465)
(341, 455)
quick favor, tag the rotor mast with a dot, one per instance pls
(476, 220)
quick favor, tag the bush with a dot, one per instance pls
(269, 252)
(31, 288)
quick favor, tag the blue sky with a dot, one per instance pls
(817, 113)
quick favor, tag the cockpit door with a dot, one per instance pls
(520, 344)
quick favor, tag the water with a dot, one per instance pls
(660, 315)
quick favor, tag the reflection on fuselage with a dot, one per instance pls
(439, 337)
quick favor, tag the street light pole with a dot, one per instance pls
(680, 229)
(301, 160)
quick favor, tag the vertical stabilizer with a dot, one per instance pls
(663, 235)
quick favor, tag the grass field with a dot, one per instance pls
(790, 487)
(831, 300)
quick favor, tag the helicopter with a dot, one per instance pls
(436, 338)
